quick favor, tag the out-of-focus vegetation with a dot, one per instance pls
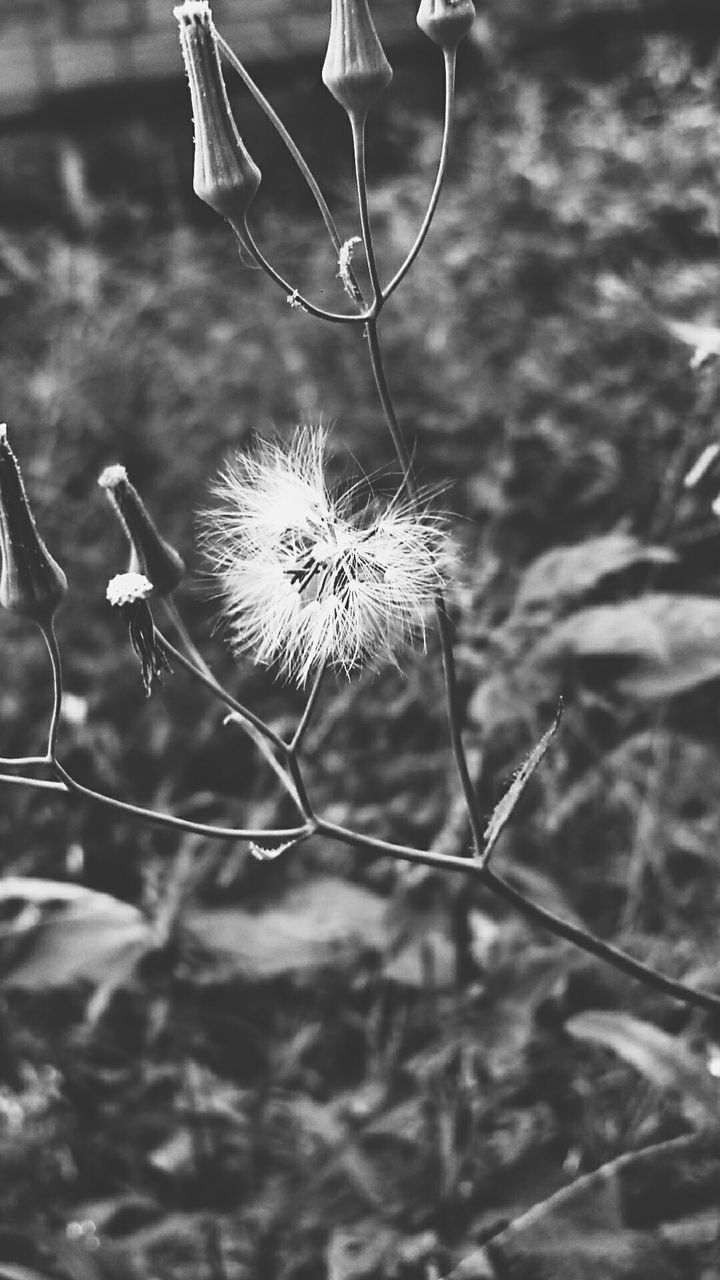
(328, 1064)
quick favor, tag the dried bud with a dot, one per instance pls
(149, 553)
(446, 21)
(31, 583)
(355, 70)
(130, 593)
(225, 176)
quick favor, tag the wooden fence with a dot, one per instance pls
(51, 47)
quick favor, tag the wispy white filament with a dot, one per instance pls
(310, 578)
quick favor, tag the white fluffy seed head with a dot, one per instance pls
(311, 578)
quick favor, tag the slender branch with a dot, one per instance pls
(295, 152)
(295, 298)
(8, 762)
(172, 821)
(358, 135)
(41, 784)
(448, 121)
(200, 674)
(443, 622)
(263, 745)
(303, 726)
(574, 934)
(52, 646)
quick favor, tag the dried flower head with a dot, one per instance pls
(314, 578)
(130, 593)
(32, 584)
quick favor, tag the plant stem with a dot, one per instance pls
(171, 821)
(443, 622)
(296, 154)
(262, 743)
(40, 784)
(448, 121)
(303, 726)
(52, 645)
(574, 934)
(205, 677)
(358, 136)
(294, 297)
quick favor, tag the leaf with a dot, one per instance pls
(664, 1060)
(668, 643)
(315, 925)
(613, 1224)
(504, 810)
(53, 934)
(566, 573)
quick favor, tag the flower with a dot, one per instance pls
(313, 578)
(130, 593)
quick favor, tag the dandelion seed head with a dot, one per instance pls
(310, 576)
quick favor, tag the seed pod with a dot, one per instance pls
(32, 584)
(355, 69)
(150, 554)
(446, 21)
(225, 175)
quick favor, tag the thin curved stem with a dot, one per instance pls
(173, 822)
(247, 239)
(287, 138)
(262, 743)
(448, 121)
(41, 784)
(200, 674)
(358, 136)
(304, 723)
(574, 934)
(9, 762)
(443, 622)
(52, 646)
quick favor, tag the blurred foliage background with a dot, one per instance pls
(333, 1065)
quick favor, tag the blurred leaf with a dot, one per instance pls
(10, 1272)
(704, 339)
(664, 1060)
(315, 925)
(504, 810)
(53, 934)
(670, 643)
(565, 573)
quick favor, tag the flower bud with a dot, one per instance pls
(149, 553)
(225, 176)
(355, 69)
(31, 583)
(446, 21)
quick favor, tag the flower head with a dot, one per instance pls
(130, 593)
(311, 577)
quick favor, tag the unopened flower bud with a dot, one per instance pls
(355, 69)
(149, 553)
(32, 584)
(130, 593)
(225, 176)
(446, 21)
